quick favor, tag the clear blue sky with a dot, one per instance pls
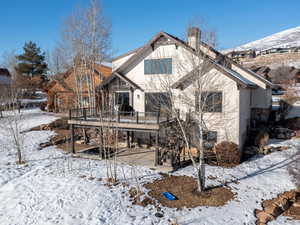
(135, 21)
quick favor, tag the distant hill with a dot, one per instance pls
(284, 39)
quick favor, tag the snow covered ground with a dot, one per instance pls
(50, 188)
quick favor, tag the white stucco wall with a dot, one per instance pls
(226, 123)
(261, 98)
(231, 124)
(244, 113)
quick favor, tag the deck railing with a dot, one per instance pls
(93, 114)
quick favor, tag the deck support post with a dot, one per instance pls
(101, 144)
(157, 156)
(127, 139)
(72, 139)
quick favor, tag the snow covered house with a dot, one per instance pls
(240, 94)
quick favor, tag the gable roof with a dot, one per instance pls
(60, 77)
(186, 80)
(233, 74)
(124, 78)
(127, 53)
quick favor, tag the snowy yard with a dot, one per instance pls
(50, 188)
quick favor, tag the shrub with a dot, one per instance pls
(227, 154)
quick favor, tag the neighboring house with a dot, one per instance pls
(63, 90)
(242, 95)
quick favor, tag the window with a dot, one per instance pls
(85, 101)
(157, 101)
(158, 66)
(209, 139)
(121, 98)
(210, 102)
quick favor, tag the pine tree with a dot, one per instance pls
(32, 61)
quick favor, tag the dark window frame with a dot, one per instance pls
(211, 101)
(158, 66)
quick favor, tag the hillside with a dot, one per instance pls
(283, 39)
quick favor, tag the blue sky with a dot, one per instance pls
(134, 22)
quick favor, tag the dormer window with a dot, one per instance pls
(158, 66)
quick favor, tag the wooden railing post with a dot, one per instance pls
(118, 116)
(137, 117)
(72, 139)
(70, 114)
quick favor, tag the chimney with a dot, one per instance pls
(194, 34)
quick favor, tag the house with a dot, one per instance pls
(64, 93)
(240, 94)
(240, 55)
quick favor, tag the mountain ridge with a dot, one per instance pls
(283, 39)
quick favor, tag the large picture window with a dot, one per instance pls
(157, 102)
(158, 66)
(210, 102)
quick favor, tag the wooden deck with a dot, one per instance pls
(140, 121)
(120, 125)
(130, 122)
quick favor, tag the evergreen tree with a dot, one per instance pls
(32, 62)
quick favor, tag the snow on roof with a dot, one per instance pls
(235, 74)
(108, 64)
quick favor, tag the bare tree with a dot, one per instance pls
(86, 42)
(11, 123)
(282, 75)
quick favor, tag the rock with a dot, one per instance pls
(264, 217)
(283, 133)
(289, 195)
(80, 142)
(159, 215)
(296, 204)
(283, 203)
(262, 139)
(44, 145)
(273, 210)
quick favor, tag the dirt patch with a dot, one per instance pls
(59, 124)
(184, 188)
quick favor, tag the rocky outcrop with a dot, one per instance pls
(277, 206)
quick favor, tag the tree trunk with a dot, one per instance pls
(19, 154)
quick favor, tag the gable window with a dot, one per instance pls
(158, 66)
(209, 139)
(210, 101)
